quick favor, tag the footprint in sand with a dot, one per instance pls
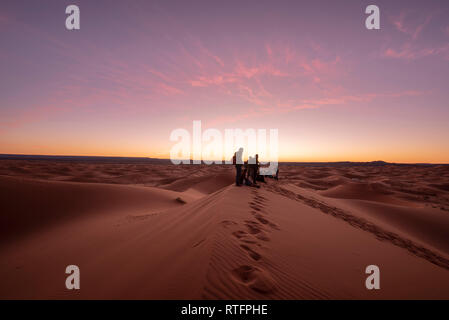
(228, 223)
(135, 218)
(198, 243)
(253, 227)
(261, 219)
(244, 237)
(255, 278)
(273, 225)
(239, 234)
(263, 237)
(256, 205)
(253, 254)
(257, 208)
(256, 230)
(264, 221)
(251, 242)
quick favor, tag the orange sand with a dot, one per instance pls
(144, 231)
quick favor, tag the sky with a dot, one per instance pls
(137, 70)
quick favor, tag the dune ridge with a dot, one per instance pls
(365, 225)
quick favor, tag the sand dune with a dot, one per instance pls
(180, 233)
(28, 205)
(204, 184)
(364, 191)
(427, 225)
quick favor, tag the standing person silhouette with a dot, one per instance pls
(237, 160)
(256, 169)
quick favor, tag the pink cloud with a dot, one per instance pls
(216, 80)
(32, 115)
(414, 31)
(292, 106)
(412, 49)
(208, 53)
(398, 22)
(317, 68)
(159, 74)
(408, 52)
(265, 82)
(168, 90)
(218, 60)
(238, 74)
(262, 69)
(201, 51)
(269, 50)
(253, 80)
(289, 55)
(367, 97)
(405, 53)
(257, 113)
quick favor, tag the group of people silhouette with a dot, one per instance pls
(248, 172)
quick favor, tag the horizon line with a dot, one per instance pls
(5, 155)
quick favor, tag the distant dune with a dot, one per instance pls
(154, 231)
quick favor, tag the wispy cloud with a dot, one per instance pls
(271, 77)
(292, 106)
(410, 52)
(414, 47)
(412, 29)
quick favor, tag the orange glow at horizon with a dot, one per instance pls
(292, 155)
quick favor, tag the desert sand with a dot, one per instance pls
(155, 231)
